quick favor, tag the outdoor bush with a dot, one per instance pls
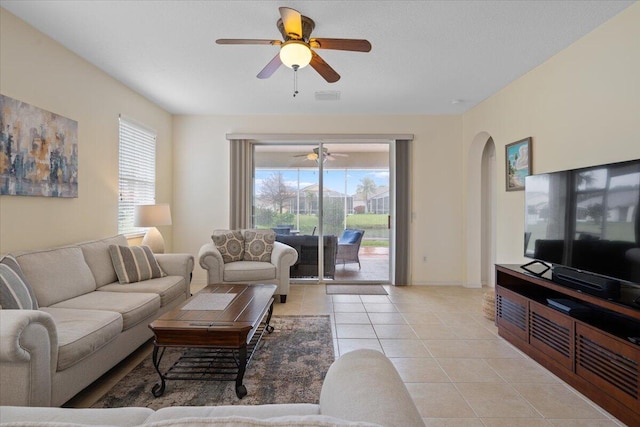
(264, 216)
(333, 211)
(283, 218)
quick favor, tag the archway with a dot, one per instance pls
(488, 203)
(481, 196)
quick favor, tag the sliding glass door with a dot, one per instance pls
(332, 202)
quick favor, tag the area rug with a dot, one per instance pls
(356, 290)
(288, 366)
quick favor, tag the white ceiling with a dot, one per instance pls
(425, 54)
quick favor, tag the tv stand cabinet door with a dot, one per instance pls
(610, 364)
(552, 333)
(512, 313)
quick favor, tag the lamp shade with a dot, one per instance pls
(152, 215)
(295, 52)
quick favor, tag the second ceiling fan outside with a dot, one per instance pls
(315, 155)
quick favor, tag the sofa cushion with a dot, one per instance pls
(96, 254)
(57, 274)
(134, 307)
(350, 236)
(169, 288)
(110, 416)
(248, 271)
(230, 244)
(284, 421)
(258, 245)
(134, 263)
(253, 411)
(82, 332)
(15, 291)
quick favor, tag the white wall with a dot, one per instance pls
(582, 108)
(39, 71)
(201, 179)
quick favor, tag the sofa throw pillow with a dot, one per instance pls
(15, 291)
(258, 245)
(134, 263)
(230, 244)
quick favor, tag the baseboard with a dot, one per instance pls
(436, 283)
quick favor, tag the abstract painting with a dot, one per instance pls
(38, 151)
(518, 160)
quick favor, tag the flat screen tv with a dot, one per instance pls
(586, 222)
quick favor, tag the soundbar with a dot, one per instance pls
(585, 282)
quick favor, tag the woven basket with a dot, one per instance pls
(489, 305)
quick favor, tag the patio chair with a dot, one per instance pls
(349, 246)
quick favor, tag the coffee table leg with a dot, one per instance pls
(268, 327)
(158, 389)
(241, 391)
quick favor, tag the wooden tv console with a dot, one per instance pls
(591, 352)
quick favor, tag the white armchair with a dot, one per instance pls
(250, 272)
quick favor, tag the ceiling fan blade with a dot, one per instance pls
(339, 155)
(292, 21)
(270, 68)
(328, 73)
(354, 45)
(248, 41)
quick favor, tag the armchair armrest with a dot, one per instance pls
(210, 259)
(283, 256)
(28, 357)
(177, 265)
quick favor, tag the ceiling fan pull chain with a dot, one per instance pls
(295, 80)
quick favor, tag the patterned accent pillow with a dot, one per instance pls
(230, 243)
(15, 291)
(134, 263)
(258, 245)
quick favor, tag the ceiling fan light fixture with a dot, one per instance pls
(312, 156)
(295, 52)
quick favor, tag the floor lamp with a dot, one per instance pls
(152, 216)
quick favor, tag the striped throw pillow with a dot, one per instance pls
(134, 263)
(15, 291)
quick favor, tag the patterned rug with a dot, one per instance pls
(288, 366)
(356, 290)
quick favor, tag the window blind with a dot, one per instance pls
(137, 172)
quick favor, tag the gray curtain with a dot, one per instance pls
(403, 211)
(241, 184)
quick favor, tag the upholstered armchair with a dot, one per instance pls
(349, 246)
(248, 257)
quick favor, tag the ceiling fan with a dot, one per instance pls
(296, 49)
(315, 154)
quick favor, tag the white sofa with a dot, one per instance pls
(361, 388)
(86, 323)
(276, 272)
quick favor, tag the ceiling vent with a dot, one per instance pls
(328, 95)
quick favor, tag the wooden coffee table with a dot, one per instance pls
(219, 328)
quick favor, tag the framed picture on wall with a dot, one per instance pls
(518, 163)
(38, 151)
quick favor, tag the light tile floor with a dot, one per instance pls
(456, 367)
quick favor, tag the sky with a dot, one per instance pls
(334, 179)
